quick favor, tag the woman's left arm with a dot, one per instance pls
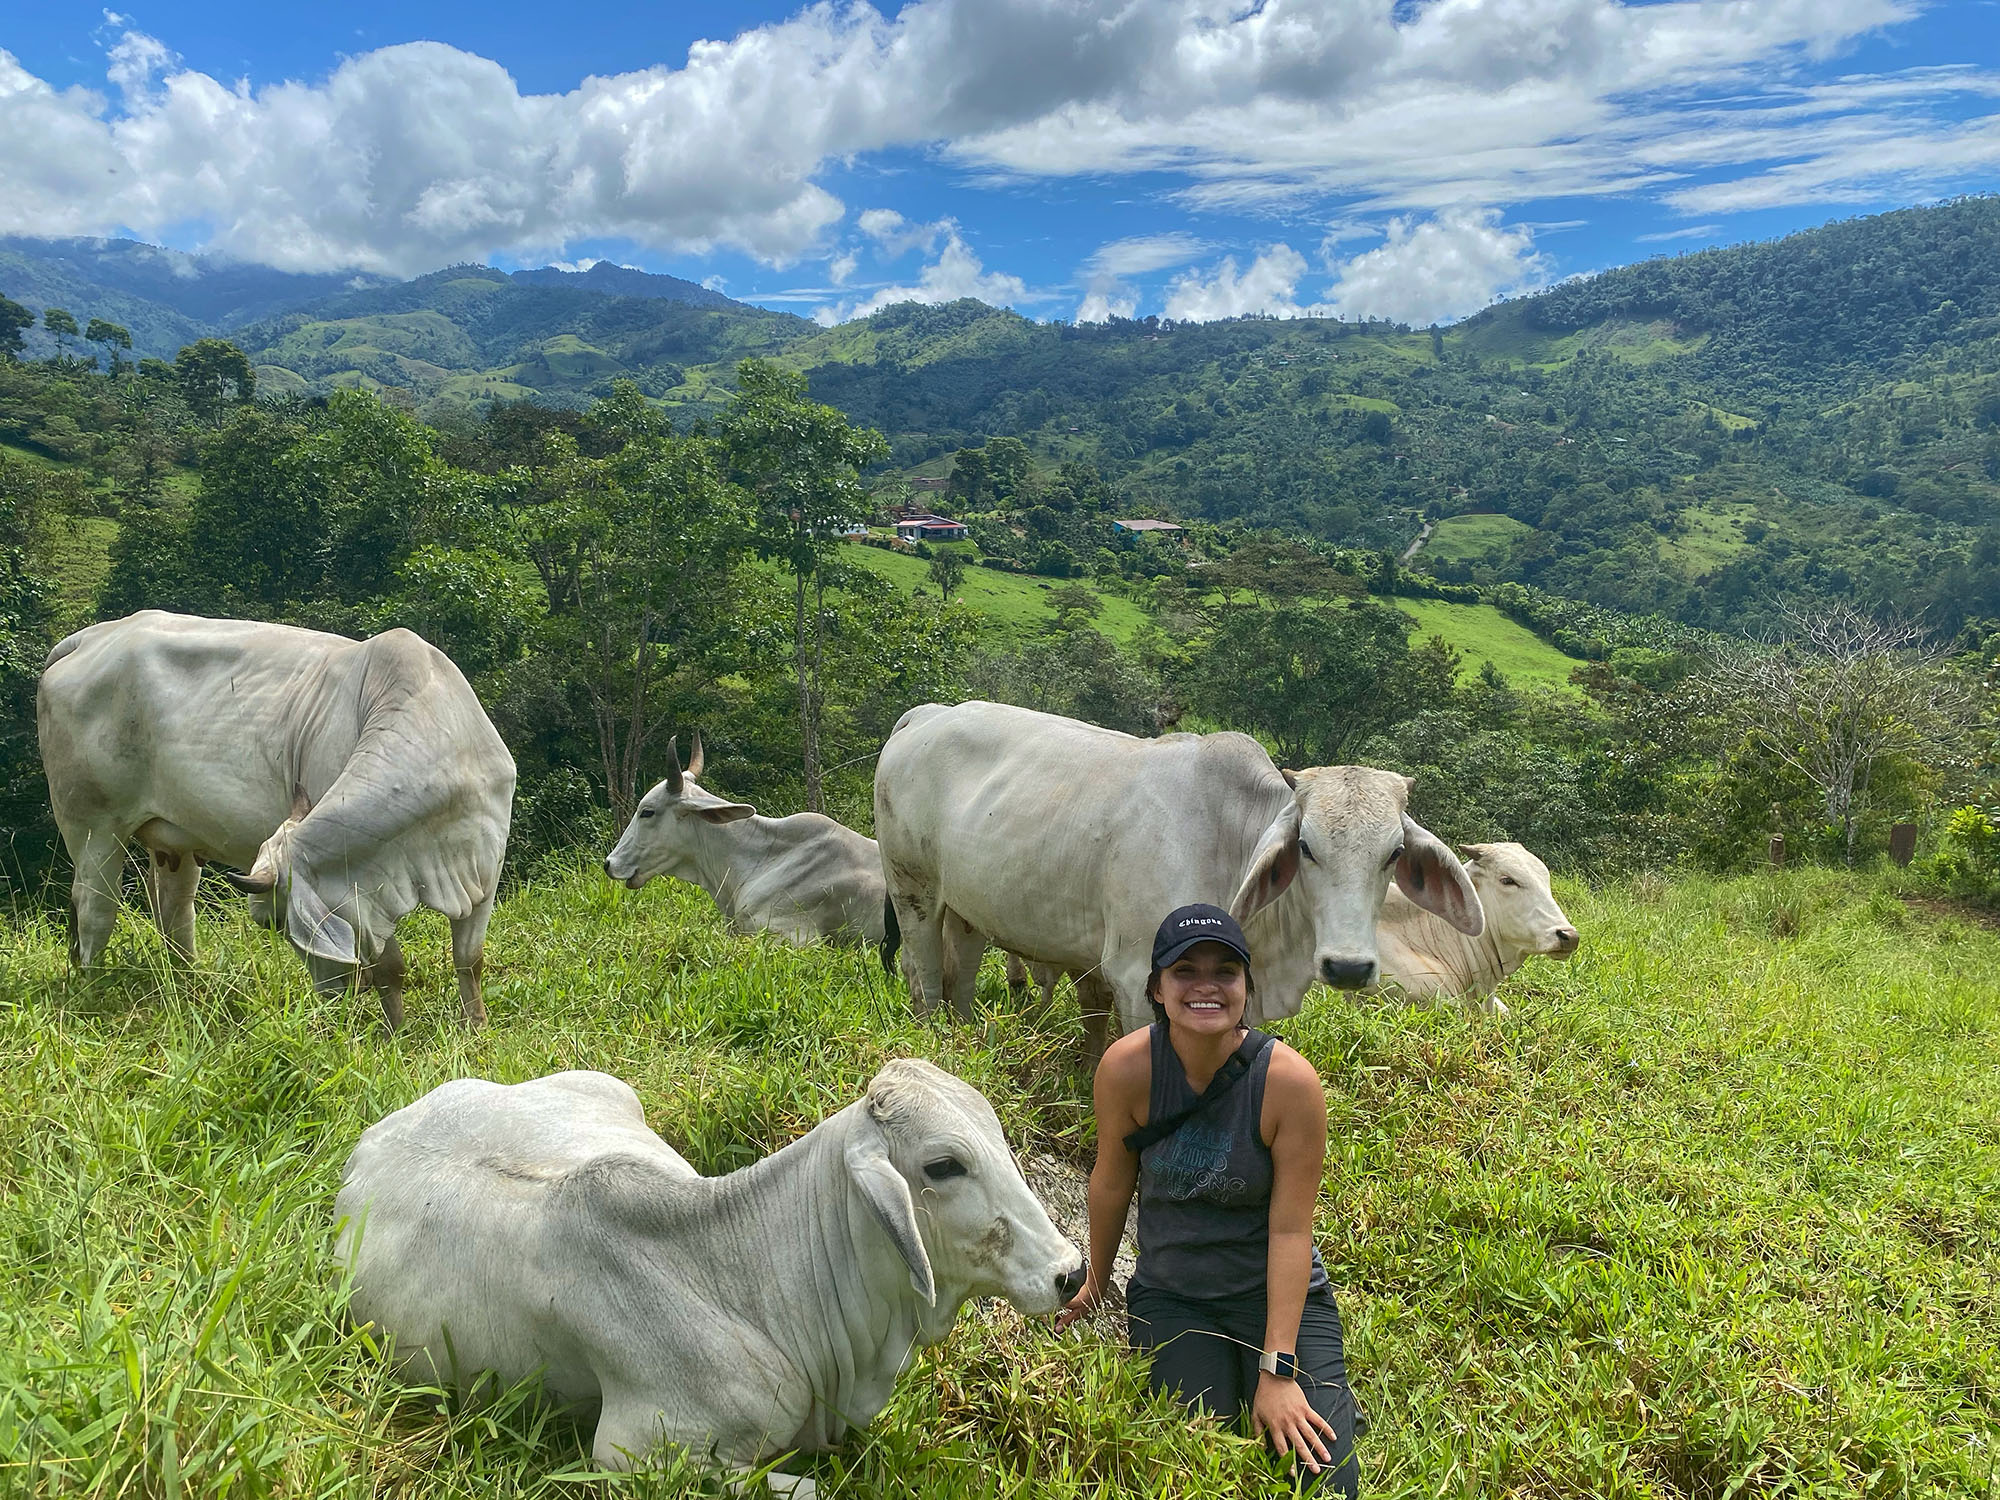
(1298, 1160)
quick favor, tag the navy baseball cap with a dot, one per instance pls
(1187, 925)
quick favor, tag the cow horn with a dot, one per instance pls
(694, 760)
(301, 803)
(674, 765)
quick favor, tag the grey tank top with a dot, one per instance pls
(1205, 1191)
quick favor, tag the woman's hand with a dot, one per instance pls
(1282, 1414)
(1081, 1304)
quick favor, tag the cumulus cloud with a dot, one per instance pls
(1267, 286)
(412, 155)
(1448, 266)
(1106, 295)
(957, 272)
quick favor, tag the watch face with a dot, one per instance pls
(1288, 1367)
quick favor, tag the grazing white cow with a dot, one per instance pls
(1426, 958)
(805, 878)
(543, 1227)
(355, 780)
(1066, 843)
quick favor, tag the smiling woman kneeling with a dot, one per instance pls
(1223, 1131)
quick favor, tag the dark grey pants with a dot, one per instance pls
(1205, 1350)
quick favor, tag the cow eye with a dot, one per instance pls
(1508, 880)
(648, 812)
(943, 1167)
(1307, 850)
(1394, 857)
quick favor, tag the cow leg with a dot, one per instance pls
(964, 947)
(386, 975)
(1093, 994)
(923, 955)
(99, 872)
(468, 960)
(1047, 977)
(171, 889)
(1017, 975)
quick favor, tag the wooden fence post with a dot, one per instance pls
(1902, 842)
(1777, 851)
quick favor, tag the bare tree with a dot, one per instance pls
(1839, 696)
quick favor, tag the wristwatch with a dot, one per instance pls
(1277, 1362)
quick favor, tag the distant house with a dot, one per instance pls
(930, 484)
(1144, 525)
(932, 529)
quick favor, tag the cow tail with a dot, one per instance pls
(892, 937)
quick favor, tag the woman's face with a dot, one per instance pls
(1205, 990)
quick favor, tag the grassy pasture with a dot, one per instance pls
(1716, 1213)
(1470, 538)
(1480, 632)
(1016, 601)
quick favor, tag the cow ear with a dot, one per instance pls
(889, 1197)
(729, 812)
(315, 927)
(1430, 875)
(1272, 868)
(1291, 778)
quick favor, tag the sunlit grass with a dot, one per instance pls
(1717, 1212)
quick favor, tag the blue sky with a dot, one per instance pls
(1197, 158)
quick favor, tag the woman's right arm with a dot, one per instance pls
(1118, 1094)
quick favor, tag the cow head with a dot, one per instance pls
(282, 895)
(1522, 917)
(927, 1155)
(1341, 836)
(660, 839)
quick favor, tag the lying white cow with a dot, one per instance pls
(1067, 844)
(805, 878)
(1426, 958)
(542, 1227)
(356, 780)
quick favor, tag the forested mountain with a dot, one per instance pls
(1699, 435)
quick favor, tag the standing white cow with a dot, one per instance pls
(805, 878)
(1425, 958)
(1067, 843)
(543, 1226)
(356, 780)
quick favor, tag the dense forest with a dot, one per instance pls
(1698, 436)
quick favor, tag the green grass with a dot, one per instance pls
(1713, 1214)
(1471, 538)
(1016, 601)
(1712, 535)
(81, 548)
(1481, 633)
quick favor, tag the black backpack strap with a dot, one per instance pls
(1226, 1078)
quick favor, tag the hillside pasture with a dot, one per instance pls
(1018, 602)
(1714, 1214)
(1481, 633)
(1472, 539)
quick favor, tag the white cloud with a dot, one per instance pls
(1268, 286)
(842, 266)
(1106, 294)
(1105, 299)
(957, 272)
(413, 155)
(1692, 231)
(714, 283)
(1449, 266)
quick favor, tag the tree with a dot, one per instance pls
(633, 550)
(112, 336)
(1840, 699)
(213, 373)
(15, 320)
(61, 323)
(947, 571)
(800, 461)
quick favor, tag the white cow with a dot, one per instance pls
(542, 1227)
(1067, 844)
(356, 780)
(805, 878)
(1425, 958)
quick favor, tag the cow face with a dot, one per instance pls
(665, 831)
(928, 1155)
(1521, 912)
(281, 895)
(1342, 837)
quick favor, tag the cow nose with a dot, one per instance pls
(1566, 940)
(1070, 1282)
(1348, 973)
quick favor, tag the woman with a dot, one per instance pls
(1227, 1140)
